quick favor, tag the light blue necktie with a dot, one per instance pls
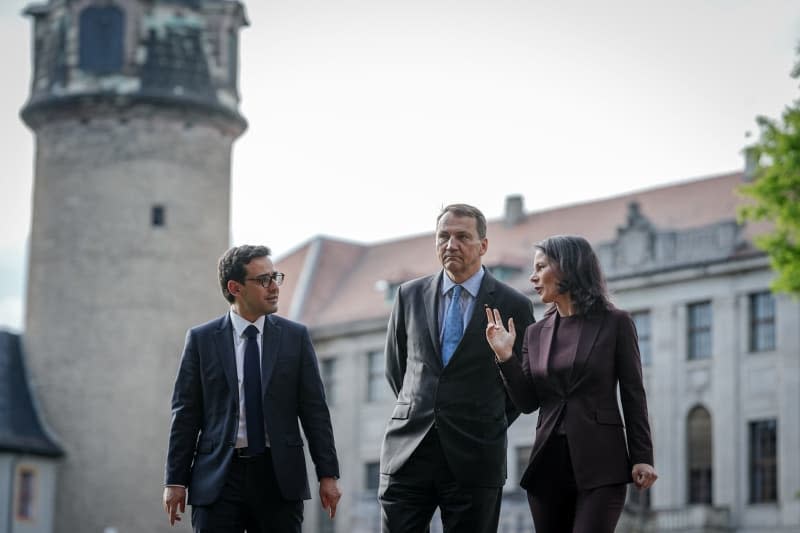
(453, 326)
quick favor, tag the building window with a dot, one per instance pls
(641, 320)
(638, 500)
(326, 525)
(377, 386)
(762, 322)
(26, 488)
(700, 330)
(763, 461)
(101, 37)
(158, 216)
(233, 58)
(372, 476)
(505, 272)
(523, 457)
(390, 291)
(328, 374)
(699, 452)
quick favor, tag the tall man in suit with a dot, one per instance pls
(244, 381)
(445, 444)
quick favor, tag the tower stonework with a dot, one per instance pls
(134, 106)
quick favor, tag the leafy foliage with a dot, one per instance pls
(775, 192)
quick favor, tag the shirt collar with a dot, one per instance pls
(240, 324)
(472, 285)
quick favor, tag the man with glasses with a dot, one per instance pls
(244, 381)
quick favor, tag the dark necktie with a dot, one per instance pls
(453, 326)
(254, 413)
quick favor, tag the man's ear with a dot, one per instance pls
(233, 287)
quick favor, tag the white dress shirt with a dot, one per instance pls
(239, 344)
(470, 290)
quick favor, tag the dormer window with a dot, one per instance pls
(388, 288)
(505, 272)
(101, 38)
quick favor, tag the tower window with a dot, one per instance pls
(158, 216)
(233, 58)
(101, 37)
(26, 480)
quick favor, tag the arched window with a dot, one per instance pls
(699, 453)
(101, 37)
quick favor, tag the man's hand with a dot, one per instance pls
(174, 502)
(329, 495)
(644, 476)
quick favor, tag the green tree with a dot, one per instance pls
(775, 193)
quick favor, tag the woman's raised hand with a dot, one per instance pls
(500, 340)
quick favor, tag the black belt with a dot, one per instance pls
(244, 454)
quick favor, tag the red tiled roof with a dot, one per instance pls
(345, 284)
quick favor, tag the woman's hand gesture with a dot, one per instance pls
(500, 340)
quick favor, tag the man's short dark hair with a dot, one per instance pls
(466, 210)
(233, 262)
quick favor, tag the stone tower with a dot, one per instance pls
(134, 105)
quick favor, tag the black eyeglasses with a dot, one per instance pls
(266, 279)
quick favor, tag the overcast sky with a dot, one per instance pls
(367, 116)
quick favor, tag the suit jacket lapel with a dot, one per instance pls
(430, 308)
(269, 351)
(484, 298)
(224, 345)
(545, 341)
(589, 330)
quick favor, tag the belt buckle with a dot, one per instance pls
(241, 453)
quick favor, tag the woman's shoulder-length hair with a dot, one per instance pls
(579, 272)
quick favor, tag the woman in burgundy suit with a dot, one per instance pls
(572, 362)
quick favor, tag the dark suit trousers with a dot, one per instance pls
(250, 501)
(410, 497)
(559, 506)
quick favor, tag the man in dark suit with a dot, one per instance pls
(445, 444)
(244, 380)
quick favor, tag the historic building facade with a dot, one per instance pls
(721, 354)
(29, 455)
(134, 104)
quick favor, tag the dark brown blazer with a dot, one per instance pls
(607, 354)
